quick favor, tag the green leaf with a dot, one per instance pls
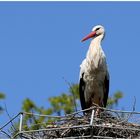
(2, 96)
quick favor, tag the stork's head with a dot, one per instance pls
(96, 31)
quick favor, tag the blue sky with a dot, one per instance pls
(40, 44)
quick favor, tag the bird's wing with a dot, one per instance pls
(106, 89)
(82, 84)
(81, 91)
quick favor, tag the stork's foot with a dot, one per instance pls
(97, 112)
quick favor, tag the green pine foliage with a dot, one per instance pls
(114, 100)
(2, 96)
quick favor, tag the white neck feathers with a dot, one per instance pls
(96, 42)
(95, 52)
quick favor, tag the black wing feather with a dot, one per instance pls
(106, 89)
(81, 91)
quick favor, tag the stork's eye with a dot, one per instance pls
(97, 29)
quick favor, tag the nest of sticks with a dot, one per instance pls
(105, 125)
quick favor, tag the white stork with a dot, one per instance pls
(94, 75)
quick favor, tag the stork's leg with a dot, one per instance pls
(98, 110)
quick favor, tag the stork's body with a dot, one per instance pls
(94, 76)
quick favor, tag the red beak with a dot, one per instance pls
(92, 34)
